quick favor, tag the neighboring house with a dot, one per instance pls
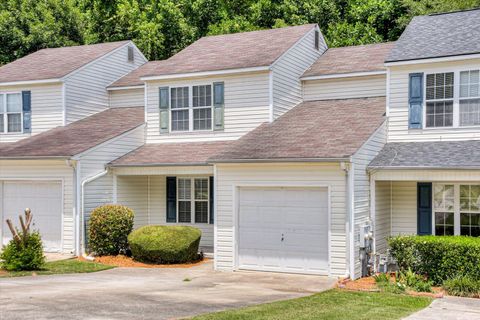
(285, 154)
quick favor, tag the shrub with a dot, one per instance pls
(165, 244)
(24, 255)
(414, 281)
(388, 284)
(437, 257)
(463, 287)
(109, 227)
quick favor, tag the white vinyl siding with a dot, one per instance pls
(231, 177)
(47, 109)
(383, 221)
(246, 107)
(345, 88)
(398, 106)
(361, 197)
(146, 195)
(44, 170)
(287, 87)
(85, 89)
(127, 98)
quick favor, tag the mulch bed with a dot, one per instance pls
(128, 262)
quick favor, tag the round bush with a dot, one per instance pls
(27, 255)
(109, 227)
(165, 244)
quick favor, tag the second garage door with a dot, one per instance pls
(283, 230)
(44, 198)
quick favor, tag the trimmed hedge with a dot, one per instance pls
(438, 257)
(165, 244)
(109, 227)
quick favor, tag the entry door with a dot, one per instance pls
(283, 230)
(44, 198)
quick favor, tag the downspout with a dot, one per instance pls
(348, 167)
(81, 227)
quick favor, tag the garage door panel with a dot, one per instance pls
(299, 214)
(44, 198)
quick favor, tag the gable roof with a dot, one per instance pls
(365, 58)
(54, 63)
(180, 153)
(232, 51)
(439, 35)
(430, 154)
(75, 138)
(133, 78)
(313, 130)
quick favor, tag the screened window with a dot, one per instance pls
(439, 96)
(10, 112)
(470, 210)
(469, 98)
(193, 196)
(179, 103)
(443, 205)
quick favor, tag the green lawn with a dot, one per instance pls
(332, 305)
(60, 267)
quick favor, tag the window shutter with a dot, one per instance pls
(424, 208)
(218, 105)
(164, 109)
(211, 200)
(171, 199)
(415, 100)
(27, 111)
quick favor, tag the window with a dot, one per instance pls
(470, 210)
(194, 114)
(193, 196)
(439, 96)
(443, 206)
(10, 112)
(469, 98)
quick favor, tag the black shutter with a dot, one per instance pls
(424, 208)
(211, 201)
(27, 111)
(171, 199)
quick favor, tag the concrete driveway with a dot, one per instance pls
(128, 293)
(450, 308)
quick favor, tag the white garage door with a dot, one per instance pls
(283, 230)
(44, 198)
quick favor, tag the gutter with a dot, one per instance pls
(370, 169)
(204, 73)
(344, 75)
(280, 160)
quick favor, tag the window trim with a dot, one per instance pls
(5, 117)
(190, 108)
(192, 199)
(456, 205)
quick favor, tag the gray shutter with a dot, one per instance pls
(27, 111)
(211, 200)
(424, 208)
(218, 105)
(415, 101)
(164, 103)
(171, 199)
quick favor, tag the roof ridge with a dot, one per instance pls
(259, 30)
(84, 45)
(450, 12)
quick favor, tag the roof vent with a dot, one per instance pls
(131, 56)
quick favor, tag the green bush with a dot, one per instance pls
(388, 284)
(463, 287)
(165, 244)
(24, 255)
(415, 281)
(437, 257)
(109, 227)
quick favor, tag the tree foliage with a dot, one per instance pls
(160, 28)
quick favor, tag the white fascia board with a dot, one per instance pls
(205, 73)
(433, 60)
(344, 75)
(30, 82)
(126, 88)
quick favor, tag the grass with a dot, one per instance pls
(59, 267)
(332, 305)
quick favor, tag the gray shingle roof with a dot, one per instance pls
(440, 35)
(434, 154)
(77, 137)
(54, 63)
(328, 129)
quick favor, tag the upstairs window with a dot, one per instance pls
(191, 108)
(202, 107)
(470, 98)
(10, 113)
(439, 97)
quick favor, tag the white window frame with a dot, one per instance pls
(6, 113)
(190, 108)
(193, 200)
(438, 100)
(456, 205)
